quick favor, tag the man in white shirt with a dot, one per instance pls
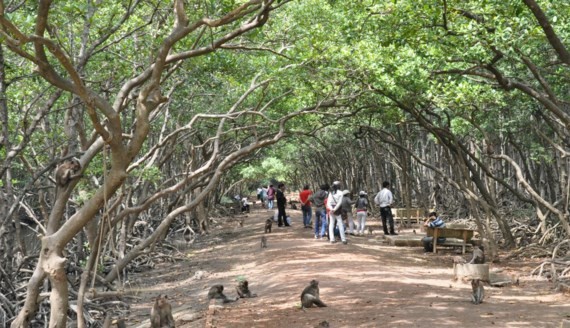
(334, 203)
(384, 199)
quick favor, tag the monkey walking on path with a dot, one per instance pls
(478, 291)
(310, 296)
(268, 224)
(217, 292)
(243, 291)
(161, 313)
(263, 242)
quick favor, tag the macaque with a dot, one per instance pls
(310, 296)
(67, 171)
(188, 234)
(478, 255)
(268, 224)
(161, 313)
(478, 291)
(243, 291)
(323, 324)
(370, 230)
(263, 242)
(217, 292)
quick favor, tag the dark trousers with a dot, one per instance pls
(281, 216)
(386, 215)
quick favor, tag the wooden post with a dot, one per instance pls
(435, 232)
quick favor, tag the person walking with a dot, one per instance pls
(281, 202)
(334, 203)
(384, 200)
(347, 210)
(319, 199)
(305, 199)
(270, 196)
(361, 211)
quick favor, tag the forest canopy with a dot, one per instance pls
(123, 122)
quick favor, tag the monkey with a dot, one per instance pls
(67, 171)
(414, 231)
(188, 233)
(268, 224)
(161, 313)
(243, 291)
(323, 324)
(263, 242)
(370, 230)
(293, 206)
(478, 255)
(478, 291)
(217, 292)
(310, 296)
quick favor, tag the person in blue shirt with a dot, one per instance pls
(433, 221)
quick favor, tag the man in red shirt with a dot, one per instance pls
(304, 197)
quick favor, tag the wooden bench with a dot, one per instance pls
(410, 215)
(464, 235)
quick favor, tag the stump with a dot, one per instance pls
(471, 271)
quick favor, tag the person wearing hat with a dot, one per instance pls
(361, 212)
(334, 203)
(384, 200)
(347, 210)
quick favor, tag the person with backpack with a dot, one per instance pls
(270, 196)
(334, 203)
(319, 199)
(361, 212)
(347, 211)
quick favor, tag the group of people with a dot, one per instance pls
(333, 206)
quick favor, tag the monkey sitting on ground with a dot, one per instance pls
(263, 242)
(243, 291)
(310, 296)
(370, 230)
(478, 291)
(478, 255)
(67, 171)
(161, 313)
(217, 293)
(268, 224)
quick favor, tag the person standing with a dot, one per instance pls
(384, 200)
(281, 202)
(270, 196)
(347, 210)
(304, 198)
(361, 211)
(319, 199)
(334, 204)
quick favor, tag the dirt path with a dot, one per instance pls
(364, 284)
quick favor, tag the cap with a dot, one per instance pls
(362, 193)
(336, 183)
(345, 192)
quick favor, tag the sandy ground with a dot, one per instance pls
(365, 283)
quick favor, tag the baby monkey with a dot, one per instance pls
(268, 224)
(243, 291)
(161, 313)
(478, 291)
(310, 296)
(263, 242)
(67, 171)
(217, 292)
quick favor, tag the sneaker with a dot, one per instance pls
(345, 242)
(394, 234)
(333, 241)
(316, 237)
